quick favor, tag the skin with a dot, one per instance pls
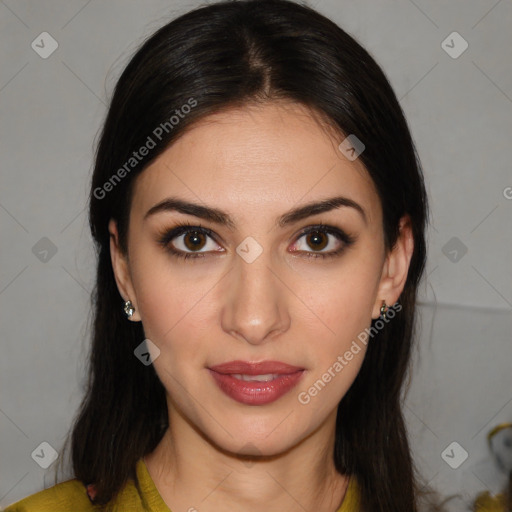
(255, 163)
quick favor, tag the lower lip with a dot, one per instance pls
(256, 393)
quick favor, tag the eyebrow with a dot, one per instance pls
(222, 218)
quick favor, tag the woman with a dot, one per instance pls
(259, 213)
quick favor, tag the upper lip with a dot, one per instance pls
(255, 368)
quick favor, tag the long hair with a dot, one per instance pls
(229, 54)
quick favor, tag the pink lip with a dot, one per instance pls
(260, 368)
(256, 392)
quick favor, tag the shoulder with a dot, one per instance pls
(62, 497)
(73, 496)
(352, 500)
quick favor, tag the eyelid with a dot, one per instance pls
(167, 235)
(338, 233)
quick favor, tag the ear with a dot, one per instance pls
(396, 267)
(121, 270)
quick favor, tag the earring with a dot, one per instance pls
(383, 309)
(128, 309)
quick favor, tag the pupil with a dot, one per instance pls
(317, 239)
(196, 237)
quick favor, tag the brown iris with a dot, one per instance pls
(315, 237)
(195, 238)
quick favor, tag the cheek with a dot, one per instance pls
(342, 312)
(175, 309)
(340, 301)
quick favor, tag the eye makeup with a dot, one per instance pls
(167, 235)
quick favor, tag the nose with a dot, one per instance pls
(255, 308)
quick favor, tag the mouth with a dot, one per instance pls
(256, 383)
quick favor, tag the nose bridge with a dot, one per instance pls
(255, 301)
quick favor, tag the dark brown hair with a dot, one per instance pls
(233, 53)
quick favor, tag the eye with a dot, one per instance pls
(191, 239)
(317, 237)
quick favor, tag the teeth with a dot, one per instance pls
(260, 378)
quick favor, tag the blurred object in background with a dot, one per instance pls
(500, 444)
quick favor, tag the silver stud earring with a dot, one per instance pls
(129, 309)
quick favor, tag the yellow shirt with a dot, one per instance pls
(71, 496)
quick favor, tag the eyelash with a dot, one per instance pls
(165, 237)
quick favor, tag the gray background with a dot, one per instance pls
(460, 113)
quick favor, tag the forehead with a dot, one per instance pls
(258, 160)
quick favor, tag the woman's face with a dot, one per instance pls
(258, 288)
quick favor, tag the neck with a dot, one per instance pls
(190, 472)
